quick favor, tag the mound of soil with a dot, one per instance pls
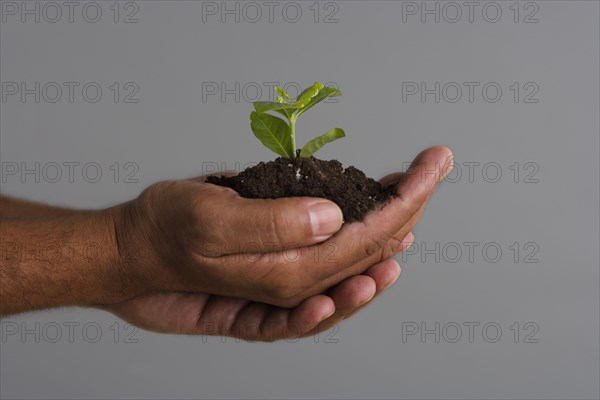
(354, 192)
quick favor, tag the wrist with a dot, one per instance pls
(134, 264)
(108, 269)
(119, 278)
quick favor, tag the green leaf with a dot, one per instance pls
(307, 94)
(264, 106)
(282, 94)
(273, 132)
(311, 147)
(284, 109)
(325, 92)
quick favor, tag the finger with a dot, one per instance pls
(358, 291)
(406, 240)
(360, 245)
(281, 323)
(385, 276)
(389, 179)
(402, 234)
(357, 246)
(309, 314)
(228, 173)
(397, 243)
(247, 323)
(347, 296)
(242, 319)
(219, 315)
(415, 186)
(401, 240)
(263, 322)
(351, 293)
(232, 224)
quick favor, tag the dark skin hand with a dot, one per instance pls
(194, 258)
(367, 271)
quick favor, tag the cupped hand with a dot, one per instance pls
(205, 314)
(212, 262)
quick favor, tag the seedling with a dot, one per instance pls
(279, 136)
(296, 173)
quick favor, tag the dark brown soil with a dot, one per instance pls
(349, 187)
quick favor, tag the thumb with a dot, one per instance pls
(241, 225)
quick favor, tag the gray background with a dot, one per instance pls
(368, 52)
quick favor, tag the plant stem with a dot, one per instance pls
(292, 120)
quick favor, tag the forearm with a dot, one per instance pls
(11, 207)
(71, 259)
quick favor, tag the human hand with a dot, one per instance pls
(205, 314)
(359, 246)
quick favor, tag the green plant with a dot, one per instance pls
(280, 136)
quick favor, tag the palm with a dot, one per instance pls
(206, 314)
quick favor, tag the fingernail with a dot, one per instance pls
(368, 300)
(329, 315)
(408, 240)
(448, 165)
(392, 281)
(325, 218)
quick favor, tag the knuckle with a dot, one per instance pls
(154, 194)
(249, 332)
(278, 224)
(374, 246)
(392, 247)
(383, 247)
(208, 223)
(285, 227)
(269, 339)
